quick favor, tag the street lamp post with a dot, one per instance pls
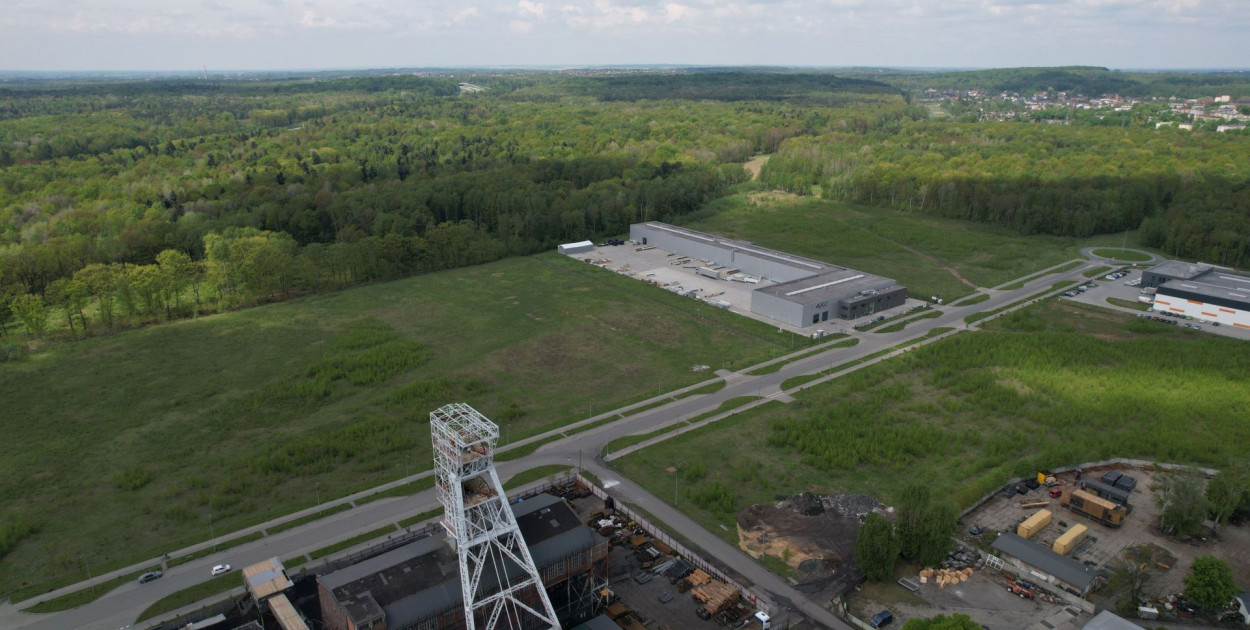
(87, 562)
(211, 535)
(318, 497)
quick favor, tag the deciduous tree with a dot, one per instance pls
(1210, 583)
(876, 548)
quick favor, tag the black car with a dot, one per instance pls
(1031, 484)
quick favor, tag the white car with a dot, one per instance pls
(221, 568)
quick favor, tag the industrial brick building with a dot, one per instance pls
(802, 292)
(1201, 291)
(417, 586)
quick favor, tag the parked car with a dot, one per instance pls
(220, 569)
(1021, 588)
(1031, 483)
(881, 619)
(149, 576)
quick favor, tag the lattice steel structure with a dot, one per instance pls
(499, 582)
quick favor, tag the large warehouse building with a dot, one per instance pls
(418, 585)
(806, 292)
(1201, 291)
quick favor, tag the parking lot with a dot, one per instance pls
(679, 274)
(1103, 289)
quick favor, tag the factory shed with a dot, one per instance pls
(418, 584)
(575, 248)
(1044, 564)
(1107, 620)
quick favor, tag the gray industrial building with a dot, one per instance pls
(1201, 291)
(806, 292)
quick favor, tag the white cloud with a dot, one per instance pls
(1122, 33)
(533, 8)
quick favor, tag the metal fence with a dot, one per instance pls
(689, 556)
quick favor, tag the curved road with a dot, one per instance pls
(120, 607)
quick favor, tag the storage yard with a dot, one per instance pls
(1027, 525)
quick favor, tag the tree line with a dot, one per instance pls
(1187, 192)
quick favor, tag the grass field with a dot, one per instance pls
(1125, 255)
(1133, 304)
(907, 247)
(125, 447)
(1056, 383)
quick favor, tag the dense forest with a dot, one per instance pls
(131, 201)
(1087, 80)
(1189, 193)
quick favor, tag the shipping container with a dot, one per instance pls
(1089, 504)
(1070, 538)
(1034, 524)
(710, 273)
(1111, 476)
(1108, 492)
(1126, 483)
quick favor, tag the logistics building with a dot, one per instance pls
(1201, 291)
(418, 584)
(806, 292)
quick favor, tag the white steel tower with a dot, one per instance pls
(498, 579)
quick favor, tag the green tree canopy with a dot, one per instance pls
(1210, 583)
(958, 621)
(876, 548)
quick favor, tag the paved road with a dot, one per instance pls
(120, 607)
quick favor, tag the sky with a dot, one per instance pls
(223, 35)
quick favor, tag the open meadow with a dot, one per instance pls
(1054, 384)
(931, 256)
(124, 447)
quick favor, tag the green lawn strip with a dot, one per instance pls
(592, 478)
(351, 542)
(596, 423)
(974, 299)
(85, 595)
(630, 440)
(407, 489)
(1096, 271)
(777, 565)
(420, 518)
(282, 527)
(528, 449)
(976, 317)
(1019, 284)
(193, 594)
(534, 474)
(322, 393)
(964, 414)
(647, 407)
(903, 324)
(795, 381)
(710, 388)
(1123, 255)
(1133, 304)
(776, 367)
(208, 551)
(940, 330)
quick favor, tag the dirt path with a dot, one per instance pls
(754, 165)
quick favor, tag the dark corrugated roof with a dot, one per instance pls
(423, 577)
(1045, 560)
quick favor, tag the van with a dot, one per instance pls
(882, 619)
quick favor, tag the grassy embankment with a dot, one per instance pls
(1053, 384)
(1123, 255)
(122, 448)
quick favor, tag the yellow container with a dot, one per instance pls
(1069, 539)
(1034, 524)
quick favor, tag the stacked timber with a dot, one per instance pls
(715, 596)
(943, 577)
